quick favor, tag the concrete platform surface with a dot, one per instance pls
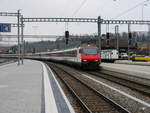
(20, 87)
(31, 88)
(136, 70)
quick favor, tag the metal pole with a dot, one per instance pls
(22, 43)
(128, 40)
(149, 38)
(99, 32)
(117, 37)
(18, 16)
(24, 46)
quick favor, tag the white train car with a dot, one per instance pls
(86, 56)
(109, 55)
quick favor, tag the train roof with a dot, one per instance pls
(75, 48)
(65, 50)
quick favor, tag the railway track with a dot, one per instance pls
(89, 98)
(6, 61)
(142, 88)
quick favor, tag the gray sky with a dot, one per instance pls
(108, 9)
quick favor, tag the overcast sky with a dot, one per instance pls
(107, 9)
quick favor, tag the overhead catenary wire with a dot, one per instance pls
(130, 9)
(78, 9)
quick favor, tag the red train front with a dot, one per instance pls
(89, 56)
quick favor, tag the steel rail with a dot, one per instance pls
(142, 88)
(73, 92)
(117, 106)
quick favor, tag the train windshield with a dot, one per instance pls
(89, 51)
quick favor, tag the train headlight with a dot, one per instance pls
(96, 60)
(85, 60)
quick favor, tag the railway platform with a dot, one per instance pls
(141, 71)
(130, 62)
(31, 88)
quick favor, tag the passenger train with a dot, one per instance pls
(87, 56)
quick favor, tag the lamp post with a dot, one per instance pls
(143, 5)
(143, 10)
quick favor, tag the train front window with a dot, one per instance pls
(89, 51)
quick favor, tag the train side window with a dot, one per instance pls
(80, 51)
(75, 53)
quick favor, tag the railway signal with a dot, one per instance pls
(108, 39)
(67, 36)
(130, 38)
(107, 36)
